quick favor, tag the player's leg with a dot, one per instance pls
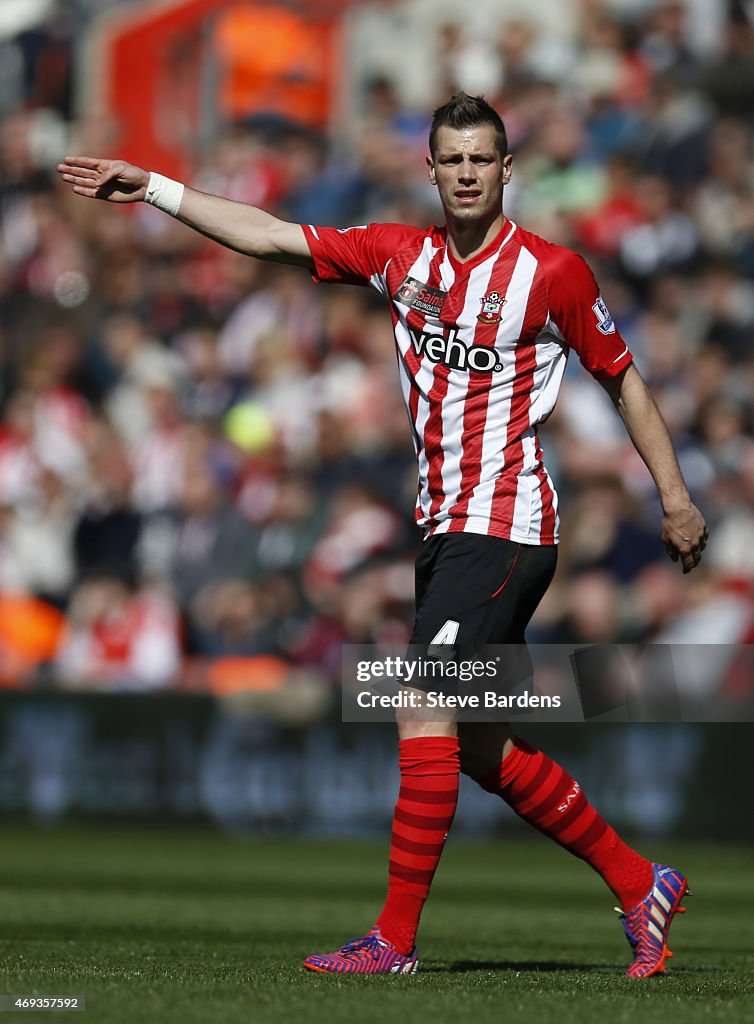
(544, 794)
(454, 576)
(427, 798)
(539, 790)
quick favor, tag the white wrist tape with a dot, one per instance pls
(164, 193)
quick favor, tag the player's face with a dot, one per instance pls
(469, 173)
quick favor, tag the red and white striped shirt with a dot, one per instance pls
(482, 347)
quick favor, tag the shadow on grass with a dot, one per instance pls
(529, 966)
(554, 966)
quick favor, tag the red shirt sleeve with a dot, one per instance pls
(356, 255)
(578, 311)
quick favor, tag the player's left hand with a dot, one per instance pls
(684, 534)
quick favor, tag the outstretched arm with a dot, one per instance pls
(243, 228)
(684, 531)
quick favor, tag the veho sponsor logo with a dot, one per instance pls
(451, 351)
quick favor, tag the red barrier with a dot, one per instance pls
(155, 70)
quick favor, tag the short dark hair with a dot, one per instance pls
(464, 111)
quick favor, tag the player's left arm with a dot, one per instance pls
(579, 315)
(684, 532)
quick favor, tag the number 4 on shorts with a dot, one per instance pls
(446, 634)
(441, 645)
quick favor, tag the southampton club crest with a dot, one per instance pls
(491, 306)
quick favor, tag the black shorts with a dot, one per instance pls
(473, 590)
(473, 593)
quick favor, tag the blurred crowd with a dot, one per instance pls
(206, 475)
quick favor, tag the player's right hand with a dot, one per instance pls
(112, 180)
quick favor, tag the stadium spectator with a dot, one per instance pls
(212, 541)
(117, 637)
(665, 43)
(665, 239)
(36, 542)
(728, 79)
(108, 527)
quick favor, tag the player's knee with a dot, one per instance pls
(483, 746)
(410, 729)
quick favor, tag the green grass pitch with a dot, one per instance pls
(197, 927)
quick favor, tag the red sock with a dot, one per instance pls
(423, 815)
(546, 796)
